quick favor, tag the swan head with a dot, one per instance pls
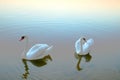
(84, 39)
(22, 38)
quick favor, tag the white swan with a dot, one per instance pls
(82, 46)
(35, 52)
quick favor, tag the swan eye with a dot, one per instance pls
(84, 39)
(23, 37)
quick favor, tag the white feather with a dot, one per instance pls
(37, 51)
(77, 46)
(86, 46)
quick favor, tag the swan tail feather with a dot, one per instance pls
(48, 50)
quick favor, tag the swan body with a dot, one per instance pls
(38, 51)
(35, 52)
(82, 46)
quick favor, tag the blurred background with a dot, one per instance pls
(60, 23)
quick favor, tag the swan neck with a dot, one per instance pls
(26, 45)
(81, 45)
(25, 48)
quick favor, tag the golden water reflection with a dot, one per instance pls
(38, 63)
(87, 58)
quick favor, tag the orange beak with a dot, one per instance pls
(21, 39)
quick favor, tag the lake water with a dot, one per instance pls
(62, 33)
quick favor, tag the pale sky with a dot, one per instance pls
(60, 6)
(32, 12)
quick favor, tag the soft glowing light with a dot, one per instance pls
(57, 7)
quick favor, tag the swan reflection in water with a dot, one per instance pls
(87, 58)
(38, 63)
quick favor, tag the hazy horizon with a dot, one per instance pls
(60, 23)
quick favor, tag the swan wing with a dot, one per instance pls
(37, 51)
(87, 45)
(77, 46)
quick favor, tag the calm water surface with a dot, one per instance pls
(102, 63)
